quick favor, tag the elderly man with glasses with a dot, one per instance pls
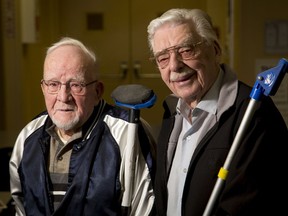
(200, 122)
(70, 160)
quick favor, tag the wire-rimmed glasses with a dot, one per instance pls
(76, 88)
(184, 51)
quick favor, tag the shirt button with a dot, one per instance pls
(185, 170)
(60, 158)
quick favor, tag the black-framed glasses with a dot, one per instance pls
(76, 88)
(184, 51)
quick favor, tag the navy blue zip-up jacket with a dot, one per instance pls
(96, 180)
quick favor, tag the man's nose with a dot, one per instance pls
(64, 93)
(175, 61)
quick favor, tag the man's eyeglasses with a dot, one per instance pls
(185, 51)
(76, 88)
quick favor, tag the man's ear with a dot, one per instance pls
(217, 48)
(99, 88)
(42, 88)
(218, 51)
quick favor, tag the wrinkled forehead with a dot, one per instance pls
(67, 60)
(171, 34)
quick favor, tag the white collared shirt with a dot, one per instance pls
(193, 130)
